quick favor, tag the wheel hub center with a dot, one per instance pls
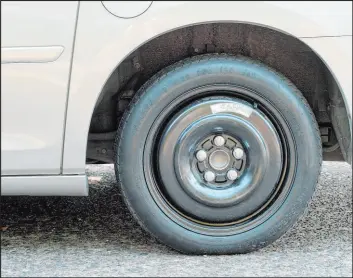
(223, 161)
(219, 160)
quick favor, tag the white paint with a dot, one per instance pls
(45, 185)
(39, 54)
(238, 153)
(127, 9)
(201, 155)
(34, 85)
(219, 141)
(209, 176)
(35, 76)
(104, 41)
(336, 16)
(232, 175)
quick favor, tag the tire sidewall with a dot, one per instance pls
(171, 84)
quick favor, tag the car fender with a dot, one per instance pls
(104, 40)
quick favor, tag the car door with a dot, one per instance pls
(36, 52)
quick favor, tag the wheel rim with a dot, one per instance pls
(219, 160)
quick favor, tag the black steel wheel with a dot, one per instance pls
(218, 154)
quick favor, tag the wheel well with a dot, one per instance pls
(285, 53)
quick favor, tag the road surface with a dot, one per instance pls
(96, 236)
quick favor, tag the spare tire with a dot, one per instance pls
(218, 154)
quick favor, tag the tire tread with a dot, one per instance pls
(185, 63)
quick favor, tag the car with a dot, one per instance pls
(216, 115)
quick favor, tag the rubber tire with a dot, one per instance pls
(194, 72)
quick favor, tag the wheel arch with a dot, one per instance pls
(75, 144)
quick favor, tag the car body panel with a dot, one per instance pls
(96, 56)
(58, 185)
(36, 52)
(32, 54)
(126, 9)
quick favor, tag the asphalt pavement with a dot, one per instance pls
(96, 236)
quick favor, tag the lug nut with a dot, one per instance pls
(238, 153)
(232, 175)
(209, 176)
(219, 141)
(201, 155)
